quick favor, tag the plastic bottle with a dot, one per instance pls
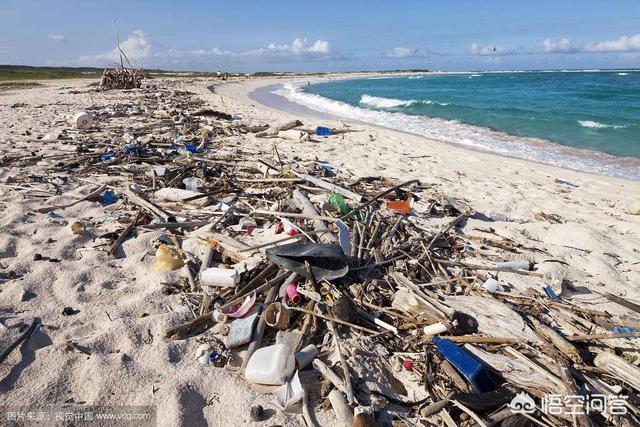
(437, 328)
(220, 277)
(272, 365)
(514, 265)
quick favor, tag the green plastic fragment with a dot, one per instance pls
(337, 201)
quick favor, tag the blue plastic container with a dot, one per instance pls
(108, 155)
(551, 294)
(108, 197)
(469, 367)
(323, 131)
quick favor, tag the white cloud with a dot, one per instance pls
(557, 46)
(136, 47)
(300, 47)
(400, 52)
(623, 44)
(56, 38)
(297, 47)
(476, 49)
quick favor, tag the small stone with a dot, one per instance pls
(256, 413)
(37, 257)
(27, 295)
(68, 311)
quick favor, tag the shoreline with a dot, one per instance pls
(531, 149)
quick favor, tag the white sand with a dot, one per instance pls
(123, 311)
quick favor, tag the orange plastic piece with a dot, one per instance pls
(401, 206)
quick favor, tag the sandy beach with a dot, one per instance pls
(113, 351)
(593, 212)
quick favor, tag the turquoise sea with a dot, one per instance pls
(588, 120)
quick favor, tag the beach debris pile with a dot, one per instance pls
(370, 296)
(121, 78)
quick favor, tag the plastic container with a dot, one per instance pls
(108, 197)
(167, 259)
(276, 316)
(436, 328)
(191, 183)
(323, 131)
(401, 206)
(220, 277)
(292, 294)
(288, 227)
(202, 354)
(492, 285)
(472, 370)
(83, 120)
(305, 356)
(272, 365)
(551, 294)
(514, 265)
(219, 316)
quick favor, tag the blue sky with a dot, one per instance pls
(324, 35)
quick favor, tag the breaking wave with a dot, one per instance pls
(380, 102)
(597, 125)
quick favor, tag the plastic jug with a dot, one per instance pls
(272, 365)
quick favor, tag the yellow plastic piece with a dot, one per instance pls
(167, 259)
(77, 228)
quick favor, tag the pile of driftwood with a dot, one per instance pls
(121, 78)
(408, 316)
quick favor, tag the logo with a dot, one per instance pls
(522, 404)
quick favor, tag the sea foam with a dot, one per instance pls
(598, 125)
(381, 102)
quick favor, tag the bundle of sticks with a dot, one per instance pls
(121, 78)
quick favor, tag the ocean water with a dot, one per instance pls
(588, 120)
